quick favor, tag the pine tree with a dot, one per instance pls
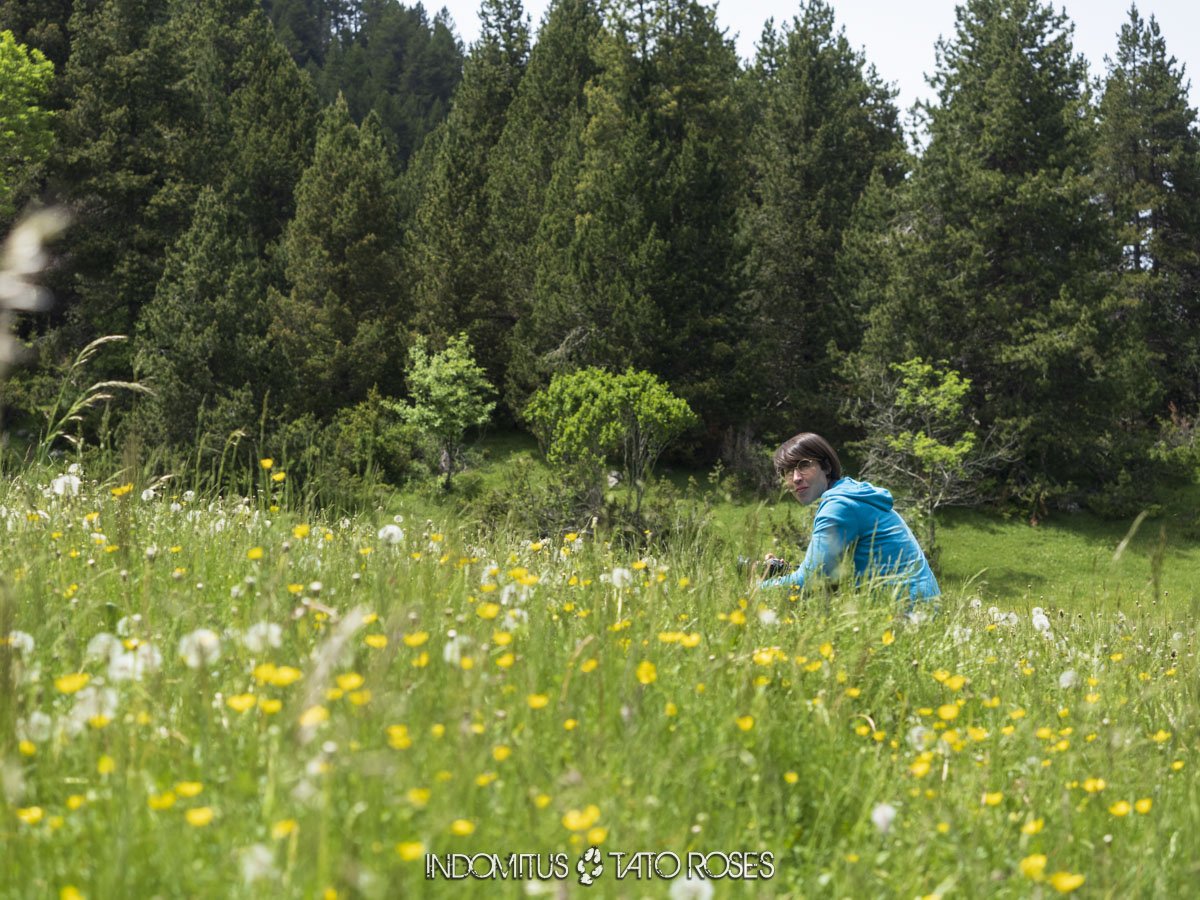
(825, 125)
(271, 129)
(540, 125)
(202, 340)
(637, 263)
(1001, 251)
(397, 64)
(122, 163)
(339, 330)
(1148, 160)
(457, 283)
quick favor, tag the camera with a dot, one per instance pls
(771, 567)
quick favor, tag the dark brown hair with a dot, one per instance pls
(807, 445)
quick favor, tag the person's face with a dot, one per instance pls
(807, 480)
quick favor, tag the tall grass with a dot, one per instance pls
(436, 689)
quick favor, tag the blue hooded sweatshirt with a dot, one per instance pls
(857, 515)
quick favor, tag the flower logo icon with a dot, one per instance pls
(590, 867)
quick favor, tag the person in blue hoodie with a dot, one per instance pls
(854, 519)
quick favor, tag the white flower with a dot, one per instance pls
(961, 634)
(691, 888)
(391, 534)
(1040, 620)
(21, 642)
(258, 864)
(918, 737)
(103, 646)
(976, 603)
(36, 728)
(1067, 679)
(91, 703)
(128, 624)
(200, 649)
(453, 651)
(131, 666)
(189, 496)
(147, 495)
(65, 485)
(882, 817)
(74, 469)
(621, 577)
(768, 616)
(261, 636)
(175, 507)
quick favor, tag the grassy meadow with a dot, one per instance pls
(235, 697)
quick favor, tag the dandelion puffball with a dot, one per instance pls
(200, 649)
(882, 817)
(391, 534)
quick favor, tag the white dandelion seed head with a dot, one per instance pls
(918, 737)
(691, 887)
(37, 727)
(768, 617)
(148, 495)
(961, 634)
(260, 636)
(621, 577)
(452, 652)
(200, 649)
(391, 534)
(103, 646)
(65, 485)
(21, 642)
(258, 864)
(1067, 679)
(882, 817)
(90, 703)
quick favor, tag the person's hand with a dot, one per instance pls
(757, 566)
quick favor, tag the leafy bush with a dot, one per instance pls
(587, 418)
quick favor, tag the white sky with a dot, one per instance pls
(898, 36)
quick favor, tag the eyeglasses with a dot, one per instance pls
(802, 465)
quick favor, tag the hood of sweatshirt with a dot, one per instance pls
(860, 492)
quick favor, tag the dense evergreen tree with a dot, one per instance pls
(202, 340)
(637, 261)
(122, 162)
(1000, 249)
(399, 65)
(541, 124)
(339, 329)
(382, 56)
(271, 129)
(1149, 167)
(824, 124)
(457, 284)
